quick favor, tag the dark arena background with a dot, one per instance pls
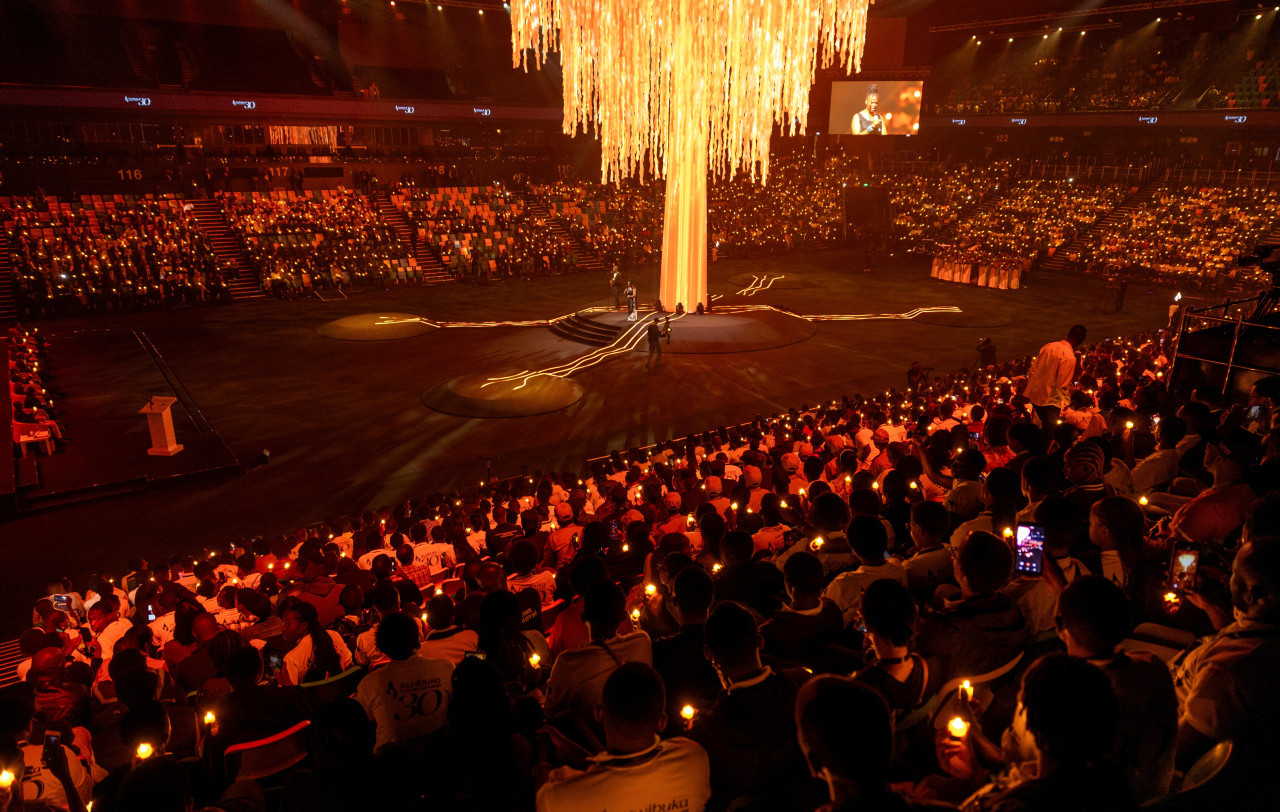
(286, 283)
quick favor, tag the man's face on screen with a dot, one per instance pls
(872, 103)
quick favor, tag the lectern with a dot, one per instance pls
(160, 421)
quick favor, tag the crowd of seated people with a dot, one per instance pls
(620, 223)
(1097, 73)
(1035, 217)
(1187, 237)
(777, 616)
(928, 204)
(483, 232)
(799, 208)
(324, 239)
(103, 254)
(32, 416)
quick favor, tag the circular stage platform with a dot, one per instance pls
(747, 331)
(375, 327)
(765, 282)
(468, 396)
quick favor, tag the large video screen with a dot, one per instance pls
(875, 108)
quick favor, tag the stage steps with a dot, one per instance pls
(585, 331)
(433, 272)
(244, 285)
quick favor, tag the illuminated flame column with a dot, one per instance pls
(680, 87)
(684, 227)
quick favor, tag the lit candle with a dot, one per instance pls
(958, 727)
(145, 750)
(966, 691)
(635, 615)
(534, 659)
(6, 777)
(650, 589)
(687, 713)
(209, 718)
(1142, 500)
(1128, 424)
(816, 544)
(716, 568)
(626, 548)
(1008, 531)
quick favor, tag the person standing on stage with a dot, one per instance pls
(616, 286)
(655, 333)
(630, 293)
(867, 121)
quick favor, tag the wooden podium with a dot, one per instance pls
(160, 421)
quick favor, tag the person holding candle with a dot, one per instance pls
(1062, 732)
(61, 783)
(680, 659)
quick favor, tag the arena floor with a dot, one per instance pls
(347, 430)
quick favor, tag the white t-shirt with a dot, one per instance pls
(439, 557)
(543, 582)
(672, 774)
(114, 631)
(406, 698)
(847, 588)
(38, 784)
(162, 629)
(298, 661)
(452, 647)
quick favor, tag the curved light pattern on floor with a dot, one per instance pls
(910, 314)
(624, 343)
(627, 341)
(759, 283)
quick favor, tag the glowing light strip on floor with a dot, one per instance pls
(626, 342)
(758, 284)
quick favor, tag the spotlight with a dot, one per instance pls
(481, 12)
(1259, 17)
(1046, 36)
(1157, 19)
(1011, 39)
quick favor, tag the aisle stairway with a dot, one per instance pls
(1112, 220)
(8, 298)
(988, 204)
(433, 272)
(243, 283)
(588, 260)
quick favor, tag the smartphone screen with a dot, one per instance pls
(474, 655)
(1182, 570)
(1029, 550)
(52, 743)
(975, 436)
(274, 662)
(62, 603)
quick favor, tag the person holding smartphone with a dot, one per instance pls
(52, 774)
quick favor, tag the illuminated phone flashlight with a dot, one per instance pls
(816, 544)
(145, 751)
(957, 727)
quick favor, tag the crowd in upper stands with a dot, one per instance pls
(324, 239)
(101, 254)
(779, 615)
(1102, 71)
(1189, 236)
